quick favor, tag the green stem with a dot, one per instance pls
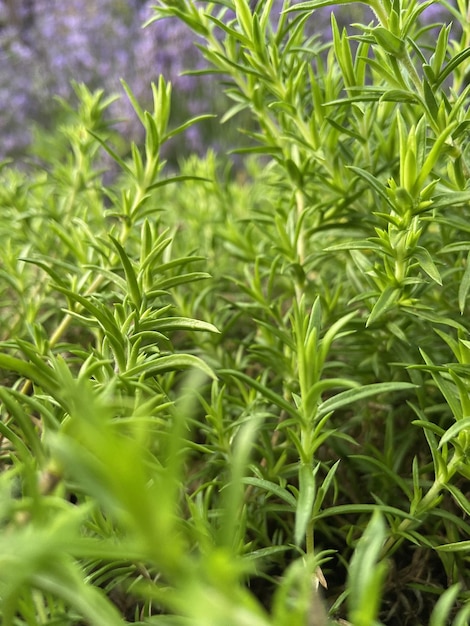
(309, 541)
(300, 244)
(380, 13)
(426, 505)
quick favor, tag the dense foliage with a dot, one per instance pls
(241, 396)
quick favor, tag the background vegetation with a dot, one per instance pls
(240, 396)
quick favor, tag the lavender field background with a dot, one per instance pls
(47, 44)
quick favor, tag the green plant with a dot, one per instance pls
(317, 298)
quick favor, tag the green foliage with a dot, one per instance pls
(222, 390)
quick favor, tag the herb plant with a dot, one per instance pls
(240, 396)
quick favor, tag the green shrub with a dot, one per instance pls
(224, 389)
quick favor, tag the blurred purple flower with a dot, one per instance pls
(44, 44)
(436, 12)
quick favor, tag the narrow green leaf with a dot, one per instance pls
(275, 489)
(152, 140)
(334, 333)
(324, 487)
(387, 300)
(437, 430)
(263, 553)
(443, 608)
(375, 184)
(178, 323)
(24, 423)
(17, 442)
(440, 464)
(388, 41)
(458, 546)
(221, 60)
(433, 157)
(129, 271)
(113, 154)
(445, 200)
(345, 398)
(461, 499)
(427, 314)
(169, 363)
(244, 17)
(425, 261)
(138, 163)
(42, 376)
(304, 507)
(96, 309)
(235, 34)
(463, 616)
(354, 245)
(47, 266)
(294, 172)
(355, 509)
(343, 52)
(430, 100)
(174, 281)
(265, 15)
(454, 430)
(105, 319)
(464, 286)
(186, 125)
(452, 65)
(458, 246)
(155, 253)
(178, 179)
(133, 100)
(366, 574)
(262, 389)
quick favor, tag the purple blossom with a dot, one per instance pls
(45, 44)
